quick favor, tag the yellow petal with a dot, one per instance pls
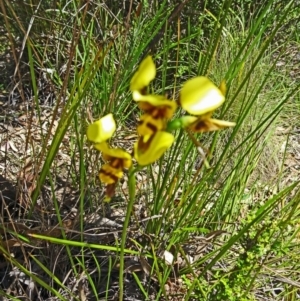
(122, 158)
(149, 103)
(101, 130)
(153, 149)
(199, 96)
(186, 121)
(101, 147)
(109, 154)
(209, 124)
(144, 75)
(109, 174)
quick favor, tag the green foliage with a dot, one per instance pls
(205, 202)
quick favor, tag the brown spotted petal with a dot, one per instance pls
(209, 125)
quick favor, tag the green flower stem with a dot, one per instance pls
(125, 226)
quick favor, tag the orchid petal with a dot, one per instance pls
(148, 152)
(109, 174)
(101, 130)
(199, 96)
(110, 154)
(209, 125)
(144, 75)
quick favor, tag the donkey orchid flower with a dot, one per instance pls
(200, 97)
(117, 159)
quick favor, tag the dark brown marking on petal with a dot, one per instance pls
(110, 190)
(206, 125)
(110, 175)
(152, 127)
(144, 91)
(143, 146)
(201, 126)
(145, 106)
(117, 163)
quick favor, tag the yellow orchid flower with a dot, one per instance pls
(148, 149)
(143, 76)
(101, 130)
(117, 159)
(199, 96)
